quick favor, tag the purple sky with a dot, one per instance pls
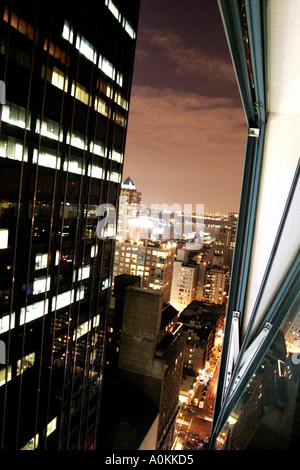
(187, 131)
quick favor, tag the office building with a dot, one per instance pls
(67, 67)
(153, 262)
(263, 304)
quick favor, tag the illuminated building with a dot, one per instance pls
(222, 249)
(184, 282)
(203, 322)
(129, 209)
(264, 305)
(216, 285)
(67, 67)
(152, 262)
(128, 190)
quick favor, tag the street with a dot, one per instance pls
(193, 423)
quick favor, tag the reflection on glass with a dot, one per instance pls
(267, 415)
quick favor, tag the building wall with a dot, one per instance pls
(153, 264)
(184, 285)
(141, 323)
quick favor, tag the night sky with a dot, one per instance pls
(187, 130)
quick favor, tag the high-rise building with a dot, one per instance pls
(155, 368)
(67, 68)
(216, 285)
(129, 191)
(130, 209)
(263, 307)
(221, 252)
(184, 281)
(153, 262)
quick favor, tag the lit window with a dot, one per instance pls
(77, 140)
(80, 293)
(81, 93)
(97, 148)
(120, 119)
(68, 32)
(86, 49)
(3, 238)
(84, 272)
(106, 67)
(113, 176)
(51, 426)
(105, 88)
(96, 171)
(3, 378)
(55, 51)
(96, 321)
(33, 311)
(46, 157)
(27, 363)
(13, 148)
(101, 106)
(119, 79)
(121, 101)
(41, 284)
(41, 260)
(62, 300)
(113, 9)
(18, 23)
(56, 77)
(59, 79)
(7, 322)
(116, 156)
(15, 115)
(105, 284)
(32, 444)
(49, 128)
(74, 165)
(94, 251)
(82, 329)
(128, 28)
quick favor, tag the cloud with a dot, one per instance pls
(187, 59)
(185, 146)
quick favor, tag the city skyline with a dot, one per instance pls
(186, 125)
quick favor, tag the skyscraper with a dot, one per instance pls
(67, 69)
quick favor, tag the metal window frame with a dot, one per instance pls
(249, 357)
(254, 102)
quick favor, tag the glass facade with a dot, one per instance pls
(60, 158)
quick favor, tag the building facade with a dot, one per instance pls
(152, 262)
(67, 67)
(216, 285)
(184, 283)
(152, 356)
